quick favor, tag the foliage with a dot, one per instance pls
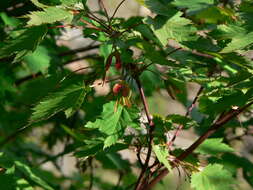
(194, 54)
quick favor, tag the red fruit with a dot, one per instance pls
(117, 88)
(121, 89)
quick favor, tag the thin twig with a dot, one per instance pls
(102, 5)
(150, 135)
(223, 119)
(93, 17)
(174, 50)
(73, 72)
(189, 110)
(121, 174)
(14, 135)
(117, 8)
(139, 157)
(90, 25)
(91, 174)
(144, 101)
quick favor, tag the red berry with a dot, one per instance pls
(121, 89)
(118, 61)
(117, 88)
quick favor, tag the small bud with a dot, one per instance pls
(125, 91)
(109, 61)
(118, 63)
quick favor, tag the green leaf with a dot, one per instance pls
(23, 184)
(69, 98)
(70, 3)
(7, 179)
(160, 7)
(114, 161)
(213, 177)
(193, 7)
(9, 21)
(162, 155)
(27, 171)
(216, 15)
(239, 37)
(38, 4)
(176, 28)
(213, 147)
(182, 120)
(39, 60)
(113, 123)
(48, 16)
(239, 42)
(24, 43)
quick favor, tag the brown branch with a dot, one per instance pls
(223, 119)
(144, 100)
(90, 25)
(140, 181)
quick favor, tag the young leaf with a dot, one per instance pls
(213, 147)
(69, 99)
(48, 16)
(112, 123)
(213, 177)
(162, 155)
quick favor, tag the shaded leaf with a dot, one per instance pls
(176, 28)
(24, 43)
(27, 171)
(193, 7)
(68, 98)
